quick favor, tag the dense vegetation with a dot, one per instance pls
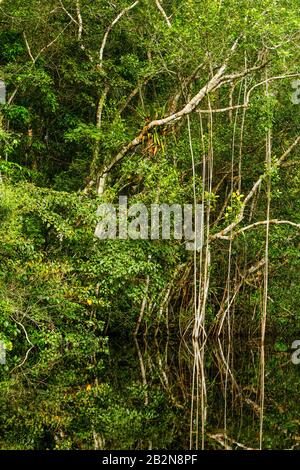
(170, 101)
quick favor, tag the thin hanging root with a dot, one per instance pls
(228, 281)
(266, 281)
(242, 132)
(166, 297)
(162, 370)
(201, 289)
(143, 370)
(224, 365)
(195, 309)
(217, 328)
(199, 396)
(143, 307)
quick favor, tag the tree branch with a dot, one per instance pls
(28, 341)
(34, 59)
(67, 12)
(187, 109)
(259, 223)
(79, 17)
(159, 6)
(115, 21)
(222, 110)
(28, 48)
(251, 193)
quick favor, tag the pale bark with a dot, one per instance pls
(187, 109)
(159, 6)
(115, 21)
(251, 193)
(79, 17)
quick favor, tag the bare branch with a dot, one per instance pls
(251, 193)
(143, 306)
(222, 110)
(67, 12)
(52, 42)
(130, 97)
(100, 107)
(159, 6)
(260, 223)
(245, 72)
(115, 21)
(187, 109)
(28, 341)
(221, 315)
(98, 125)
(279, 77)
(34, 59)
(186, 83)
(79, 23)
(12, 96)
(79, 17)
(223, 438)
(28, 48)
